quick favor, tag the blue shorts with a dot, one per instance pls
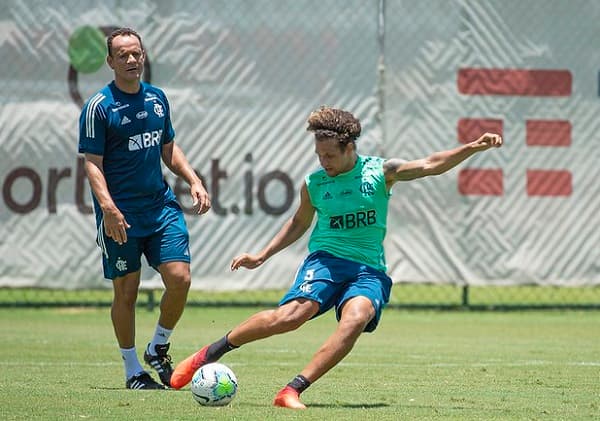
(331, 281)
(165, 239)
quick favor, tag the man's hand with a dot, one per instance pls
(115, 225)
(200, 198)
(246, 260)
(487, 141)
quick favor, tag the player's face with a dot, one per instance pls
(127, 59)
(333, 159)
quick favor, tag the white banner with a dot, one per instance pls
(242, 78)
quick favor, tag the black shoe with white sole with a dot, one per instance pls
(161, 362)
(142, 381)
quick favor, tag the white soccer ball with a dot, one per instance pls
(214, 384)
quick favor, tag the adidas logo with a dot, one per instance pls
(327, 196)
(125, 120)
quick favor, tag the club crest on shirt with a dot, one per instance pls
(367, 189)
(158, 110)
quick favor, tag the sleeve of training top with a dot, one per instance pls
(92, 126)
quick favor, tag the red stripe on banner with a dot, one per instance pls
(470, 129)
(517, 82)
(549, 183)
(548, 133)
(480, 182)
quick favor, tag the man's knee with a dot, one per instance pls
(357, 314)
(294, 314)
(126, 289)
(176, 276)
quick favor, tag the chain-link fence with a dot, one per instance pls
(516, 227)
(403, 296)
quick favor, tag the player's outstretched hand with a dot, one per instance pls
(488, 140)
(246, 260)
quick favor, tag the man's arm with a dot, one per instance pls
(175, 160)
(114, 221)
(291, 231)
(438, 162)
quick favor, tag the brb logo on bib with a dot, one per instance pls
(353, 220)
(145, 140)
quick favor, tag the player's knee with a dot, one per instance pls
(126, 290)
(177, 279)
(357, 319)
(180, 283)
(293, 315)
(283, 325)
(125, 298)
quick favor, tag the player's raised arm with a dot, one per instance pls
(438, 162)
(291, 231)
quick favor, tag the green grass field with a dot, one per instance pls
(537, 365)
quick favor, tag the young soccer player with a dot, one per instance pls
(125, 132)
(345, 267)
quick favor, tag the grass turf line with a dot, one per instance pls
(64, 364)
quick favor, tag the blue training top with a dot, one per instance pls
(129, 131)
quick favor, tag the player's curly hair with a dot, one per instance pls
(119, 32)
(327, 122)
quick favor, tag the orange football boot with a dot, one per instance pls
(288, 397)
(184, 371)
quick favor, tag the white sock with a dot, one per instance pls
(131, 362)
(161, 337)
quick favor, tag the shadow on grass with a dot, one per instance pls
(348, 405)
(333, 405)
(123, 388)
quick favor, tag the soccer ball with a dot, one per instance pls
(214, 384)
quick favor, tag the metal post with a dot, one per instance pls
(151, 303)
(465, 296)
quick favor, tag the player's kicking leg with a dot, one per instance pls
(261, 325)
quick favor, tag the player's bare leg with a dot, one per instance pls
(356, 314)
(125, 290)
(285, 318)
(177, 279)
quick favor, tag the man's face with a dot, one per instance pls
(127, 59)
(334, 160)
